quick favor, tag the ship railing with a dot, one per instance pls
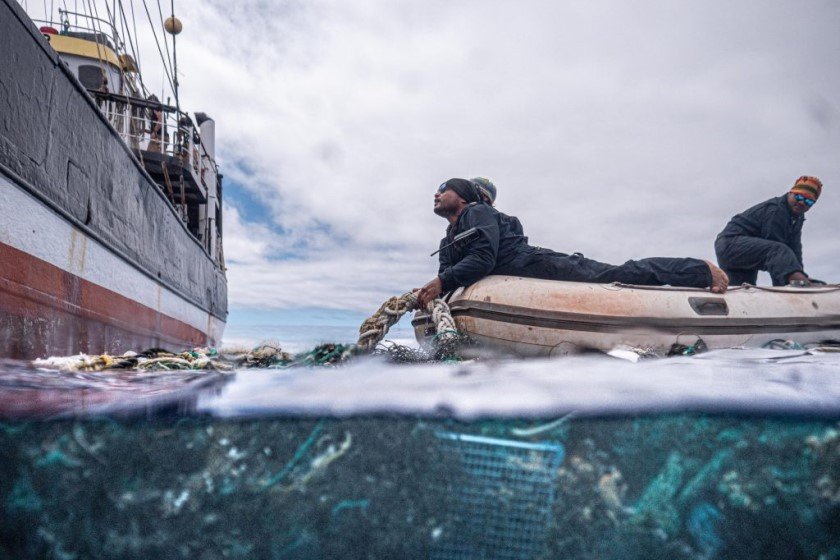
(154, 127)
(92, 28)
(148, 126)
(176, 135)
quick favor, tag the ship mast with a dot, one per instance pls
(173, 26)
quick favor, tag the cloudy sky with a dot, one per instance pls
(617, 129)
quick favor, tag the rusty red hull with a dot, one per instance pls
(48, 311)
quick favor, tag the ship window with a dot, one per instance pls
(90, 76)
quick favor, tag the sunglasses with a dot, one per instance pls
(799, 198)
(442, 189)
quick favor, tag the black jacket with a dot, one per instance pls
(771, 220)
(500, 244)
(501, 248)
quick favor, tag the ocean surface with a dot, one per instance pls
(725, 454)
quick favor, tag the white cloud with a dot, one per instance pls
(619, 130)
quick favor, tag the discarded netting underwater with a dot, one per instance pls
(444, 347)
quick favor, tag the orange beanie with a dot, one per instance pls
(808, 186)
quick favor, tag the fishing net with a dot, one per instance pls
(445, 346)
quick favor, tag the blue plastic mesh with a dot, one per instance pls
(499, 502)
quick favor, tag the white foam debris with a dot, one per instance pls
(63, 363)
(625, 353)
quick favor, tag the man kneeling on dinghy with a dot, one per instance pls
(480, 241)
(768, 237)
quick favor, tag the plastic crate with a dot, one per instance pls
(499, 497)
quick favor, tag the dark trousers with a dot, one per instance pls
(741, 257)
(655, 271)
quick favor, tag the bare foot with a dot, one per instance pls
(798, 279)
(720, 281)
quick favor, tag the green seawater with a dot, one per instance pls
(668, 486)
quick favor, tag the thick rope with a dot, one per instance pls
(442, 318)
(375, 327)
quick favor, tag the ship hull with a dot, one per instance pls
(63, 292)
(93, 257)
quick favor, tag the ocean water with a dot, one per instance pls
(726, 454)
(299, 338)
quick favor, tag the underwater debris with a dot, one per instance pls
(657, 502)
(678, 349)
(330, 454)
(550, 426)
(195, 488)
(299, 453)
(348, 505)
(703, 525)
(23, 497)
(612, 489)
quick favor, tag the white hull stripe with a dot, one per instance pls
(30, 226)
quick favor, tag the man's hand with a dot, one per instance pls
(429, 292)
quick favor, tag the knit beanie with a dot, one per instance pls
(807, 186)
(486, 188)
(465, 189)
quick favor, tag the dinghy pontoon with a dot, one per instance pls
(531, 317)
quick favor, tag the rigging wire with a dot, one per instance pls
(113, 26)
(168, 55)
(119, 44)
(175, 60)
(157, 43)
(137, 38)
(97, 23)
(131, 44)
(97, 33)
(123, 31)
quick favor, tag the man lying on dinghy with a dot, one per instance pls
(768, 237)
(481, 241)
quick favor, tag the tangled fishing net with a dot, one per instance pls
(445, 346)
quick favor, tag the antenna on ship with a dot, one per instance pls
(174, 26)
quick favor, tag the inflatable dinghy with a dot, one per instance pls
(531, 317)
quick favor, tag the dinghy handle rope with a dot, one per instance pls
(813, 289)
(615, 286)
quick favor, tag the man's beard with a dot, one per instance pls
(442, 212)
